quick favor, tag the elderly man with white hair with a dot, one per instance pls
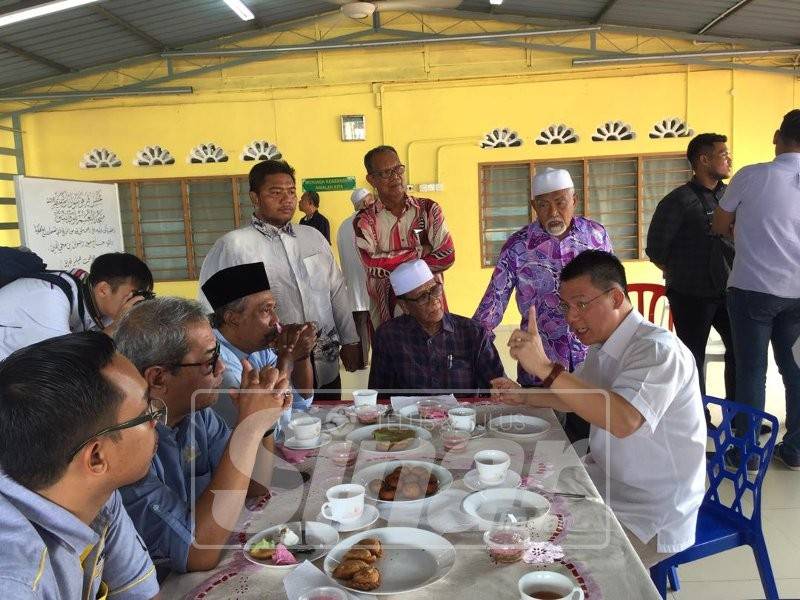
(428, 348)
(353, 271)
(530, 263)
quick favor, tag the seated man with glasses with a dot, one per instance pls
(529, 265)
(638, 389)
(428, 348)
(171, 343)
(395, 229)
(246, 324)
(76, 424)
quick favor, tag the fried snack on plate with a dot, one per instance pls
(375, 486)
(412, 491)
(366, 579)
(371, 544)
(393, 479)
(348, 568)
(360, 554)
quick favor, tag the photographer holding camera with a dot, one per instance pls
(48, 304)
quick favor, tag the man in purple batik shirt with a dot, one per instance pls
(530, 263)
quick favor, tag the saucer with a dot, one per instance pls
(511, 480)
(367, 518)
(318, 442)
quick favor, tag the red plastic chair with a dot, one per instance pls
(657, 291)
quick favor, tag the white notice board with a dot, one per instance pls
(68, 223)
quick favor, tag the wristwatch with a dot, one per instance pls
(557, 370)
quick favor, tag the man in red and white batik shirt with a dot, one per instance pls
(396, 229)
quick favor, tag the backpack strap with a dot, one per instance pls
(54, 278)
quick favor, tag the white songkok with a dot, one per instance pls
(358, 195)
(550, 180)
(409, 276)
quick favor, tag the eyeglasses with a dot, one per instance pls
(427, 296)
(156, 412)
(564, 307)
(210, 364)
(387, 173)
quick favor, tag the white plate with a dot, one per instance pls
(412, 558)
(511, 480)
(381, 470)
(519, 426)
(493, 505)
(368, 517)
(320, 534)
(295, 444)
(363, 436)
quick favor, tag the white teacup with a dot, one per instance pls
(361, 397)
(462, 417)
(492, 465)
(345, 502)
(539, 585)
(306, 427)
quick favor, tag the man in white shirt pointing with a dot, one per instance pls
(639, 391)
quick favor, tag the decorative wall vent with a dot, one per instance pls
(151, 156)
(208, 153)
(557, 134)
(261, 150)
(671, 128)
(613, 131)
(501, 138)
(100, 158)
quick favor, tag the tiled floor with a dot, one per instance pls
(732, 575)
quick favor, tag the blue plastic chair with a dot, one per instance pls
(722, 523)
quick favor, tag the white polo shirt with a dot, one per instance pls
(766, 200)
(352, 267)
(32, 310)
(656, 479)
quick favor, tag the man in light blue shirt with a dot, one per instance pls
(76, 422)
(186, 506)
(247, 327)
(764, 286)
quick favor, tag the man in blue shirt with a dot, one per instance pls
(171, 343)
(247, 327)
(76, 423)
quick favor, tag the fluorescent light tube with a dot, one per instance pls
(244, 13)
(41, 10)
(496, 2)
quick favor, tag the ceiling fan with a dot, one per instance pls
(361, 10)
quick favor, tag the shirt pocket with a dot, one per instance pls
(316, 271)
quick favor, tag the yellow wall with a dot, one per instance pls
(435, 125)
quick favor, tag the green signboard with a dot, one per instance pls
(329, 184)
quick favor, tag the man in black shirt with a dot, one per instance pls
(309, 204)
(695, 261)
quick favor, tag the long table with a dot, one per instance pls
(596, 552)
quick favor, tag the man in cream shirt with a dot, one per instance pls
(306, 282)
(638, 389)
